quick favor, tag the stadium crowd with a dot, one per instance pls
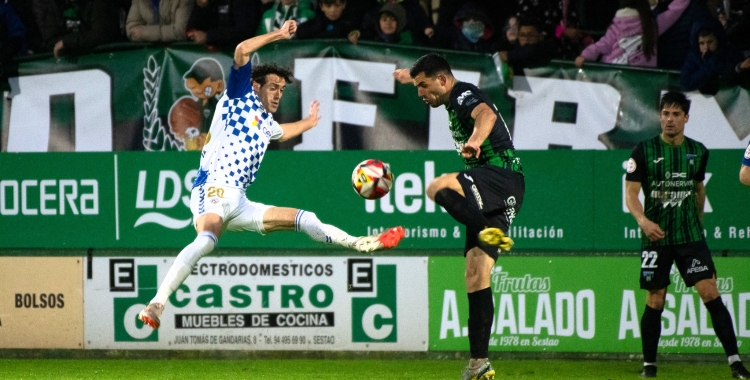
(707, 40)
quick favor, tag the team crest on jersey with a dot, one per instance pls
(463, 97)
(631, 166)
(747, 153)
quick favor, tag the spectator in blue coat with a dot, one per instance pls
(711, 58)
(673, 44)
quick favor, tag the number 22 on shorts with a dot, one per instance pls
(649, 259)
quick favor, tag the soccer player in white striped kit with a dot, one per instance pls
(240, 133)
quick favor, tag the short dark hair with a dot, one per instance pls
(675, 98)
(261, 71)
(431, 65)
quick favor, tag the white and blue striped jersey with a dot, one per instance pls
(239, 136)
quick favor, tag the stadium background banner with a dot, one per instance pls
(135, 98)
(41, 302)
(308, 303)
(574, 200)
(542, 304)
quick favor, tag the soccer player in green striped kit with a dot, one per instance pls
(670, 168)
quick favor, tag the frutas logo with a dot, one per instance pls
(128, 328)
(373, 318)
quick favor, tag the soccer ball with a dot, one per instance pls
(372, 179)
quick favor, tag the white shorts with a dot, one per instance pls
(236, 211)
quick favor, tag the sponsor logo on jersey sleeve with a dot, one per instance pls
(631, 165)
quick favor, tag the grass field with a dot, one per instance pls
(342, 369)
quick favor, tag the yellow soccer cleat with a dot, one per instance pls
(495, 237)
(484, 372)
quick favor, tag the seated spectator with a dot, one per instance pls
(222, 23)
(25, 12)
(533, 49)
(711, 59)
(329, 22)
(283, 10)
(12, 41)
(417, 22)
(557, 19)
(75, 26)
(158, 20)
(497, 11)
(472, 31)
(631, 38)
(390, 28)
(673, 43)
(509, 38)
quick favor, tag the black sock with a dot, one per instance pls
(481, 313)
(650, 333)
(722, 322)
(461, 209)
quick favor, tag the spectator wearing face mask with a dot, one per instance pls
(472, 31)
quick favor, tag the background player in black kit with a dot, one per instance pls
(671, 168)
(485, 197)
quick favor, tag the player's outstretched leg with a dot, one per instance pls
(495, 237)
(183, 264)
(308, 222)
(385, 240)
(478, 369)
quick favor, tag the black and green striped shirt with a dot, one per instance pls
(667, 175)
(497, 149)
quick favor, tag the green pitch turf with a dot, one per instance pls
(341, 369)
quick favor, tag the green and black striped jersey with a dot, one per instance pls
(497, 149)
(667, 175)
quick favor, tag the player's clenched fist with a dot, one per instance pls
(289, 28)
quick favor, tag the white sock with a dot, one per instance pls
(647, 363)
(309, 223)
(183, 264)
(732, 359)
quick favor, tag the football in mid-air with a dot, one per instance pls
(372, 179)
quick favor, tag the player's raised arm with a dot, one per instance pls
(245, 48)
(292, 130)
(403, 76)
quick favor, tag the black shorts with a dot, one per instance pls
(498, 194)
(693, 260)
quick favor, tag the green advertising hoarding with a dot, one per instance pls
(574, 200)
(571, 304)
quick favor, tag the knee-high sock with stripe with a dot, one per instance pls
(183, 264)
(308, 222)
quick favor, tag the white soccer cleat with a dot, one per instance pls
(388, 239)
(151, 315)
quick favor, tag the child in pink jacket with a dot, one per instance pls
(631, 38)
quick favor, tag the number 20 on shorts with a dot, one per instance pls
(215, 192)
